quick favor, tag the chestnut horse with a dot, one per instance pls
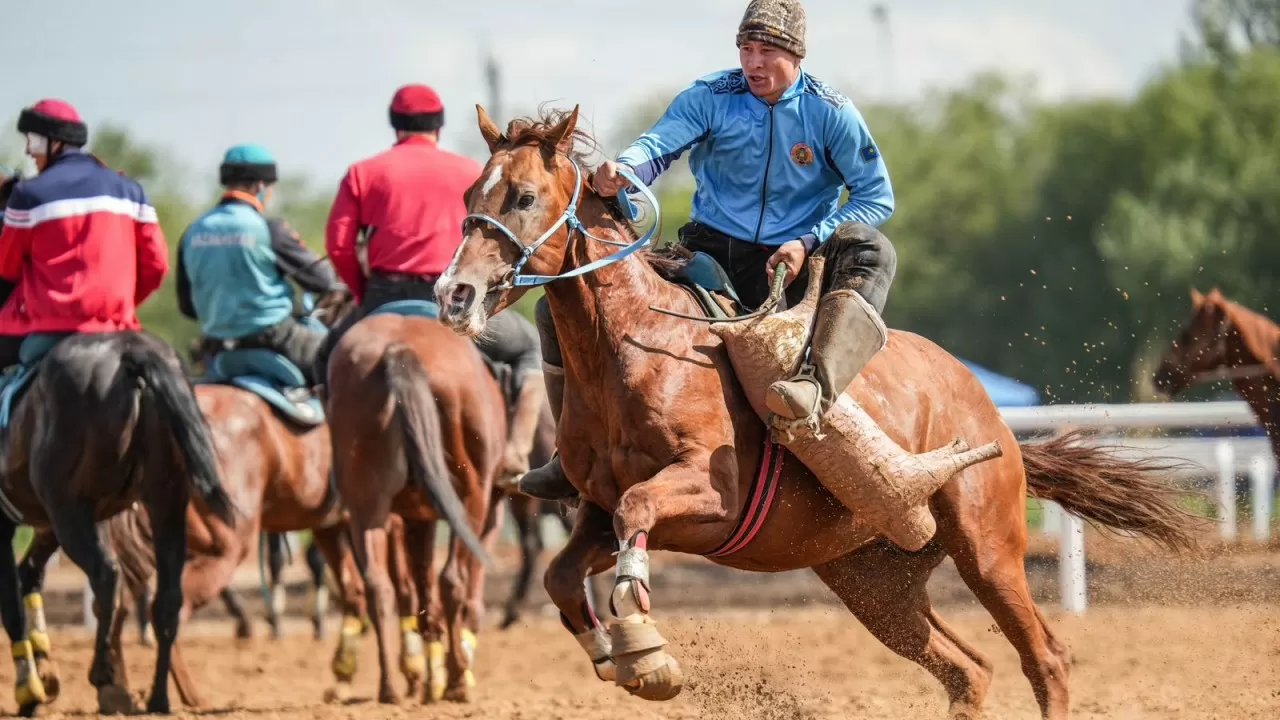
(419, 428)
(658, 437)
(1224, 340)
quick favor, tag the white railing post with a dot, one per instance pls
(1225, 455)
(1071, 565)
(1051, 518)
(1263, 470)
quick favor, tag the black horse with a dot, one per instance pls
(108, 421)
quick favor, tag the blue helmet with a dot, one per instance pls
(247, 164)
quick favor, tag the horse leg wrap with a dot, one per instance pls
(437, 674)
(279, 598)
(643, 666)
(344, 660)
(597, 646)
(469, 644)
(320, 603)
(413, 660)
(37, 627)
(28, 689)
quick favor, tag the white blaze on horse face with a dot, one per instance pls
(495, 177)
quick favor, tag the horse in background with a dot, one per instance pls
(1224, 340)
(107, 421)
(666, 452)
(419, 429)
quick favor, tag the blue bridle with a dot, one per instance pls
(570, 217)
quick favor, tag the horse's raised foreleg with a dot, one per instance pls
(679, 491)
(29, 691)
(588, 551)
(31, 579)
(885, 589)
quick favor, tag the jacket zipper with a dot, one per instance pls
(764, 187)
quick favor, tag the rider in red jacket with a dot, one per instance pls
(81, 247)
(404, 208)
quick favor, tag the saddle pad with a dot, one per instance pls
(270, 376)
(413, 308)
(307, 412)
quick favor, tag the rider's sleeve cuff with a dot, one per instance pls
(810, 242)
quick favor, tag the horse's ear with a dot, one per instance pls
(488, 129)
(561, 137)
(1215, 295)
(1197, 299)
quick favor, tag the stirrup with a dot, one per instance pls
(784, 428)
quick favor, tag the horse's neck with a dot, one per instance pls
(597, 315)
(1259, 337)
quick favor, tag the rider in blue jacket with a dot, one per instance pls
(771, 148)
(234, 267)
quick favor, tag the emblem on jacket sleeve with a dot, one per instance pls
(802, 154)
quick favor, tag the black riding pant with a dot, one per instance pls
(9, 347)
(858, 257)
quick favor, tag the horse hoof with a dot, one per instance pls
(387, 696)
(158, 706)
(244, 631)
(28, 709)
(115, 700)
(462, 694)
(659, 685)
(338, 694)
(48, 672)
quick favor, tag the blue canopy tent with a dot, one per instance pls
(1004, 391)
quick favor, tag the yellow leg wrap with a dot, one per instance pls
(412, 661)
(436, 672)
(345, 659)
(37, 629)
(28, 688)
(469, 645)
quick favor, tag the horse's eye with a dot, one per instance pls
(525, 202)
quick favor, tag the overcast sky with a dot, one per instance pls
(311, 79)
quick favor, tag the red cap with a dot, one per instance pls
(58, 110)
(416, 100)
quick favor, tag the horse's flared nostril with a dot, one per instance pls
(460, 300)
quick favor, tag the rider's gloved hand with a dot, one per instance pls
(607, 181)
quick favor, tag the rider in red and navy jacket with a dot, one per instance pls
(81, 247)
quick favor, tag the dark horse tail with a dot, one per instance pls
(179, 411)
(423, 442)
(1111, 492)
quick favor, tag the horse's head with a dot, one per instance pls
(1200, 347)
(525, 188)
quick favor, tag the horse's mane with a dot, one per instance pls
(1261, 335)
(537, 131)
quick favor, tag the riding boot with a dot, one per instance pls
(847, 333)
(549, 481)
(524, 424)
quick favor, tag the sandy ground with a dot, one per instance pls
(1131, 662)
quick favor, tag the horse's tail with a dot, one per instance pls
(424, 447)
(180, 412)
(1111, 492)
(128, 534)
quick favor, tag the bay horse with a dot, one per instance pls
(1224, 340)
(658, 437)
(109, 420)
(418, 430)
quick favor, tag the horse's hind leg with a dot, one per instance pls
(525, 511)
(28, 688)
(78, 535)
(372, 556)
(333, 544)
(31, 579)
(235, 608)
(320, 600)
(885, 589)
(413, 658)
(995, 573)
(420, 546)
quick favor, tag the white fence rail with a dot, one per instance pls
(1222, 458)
